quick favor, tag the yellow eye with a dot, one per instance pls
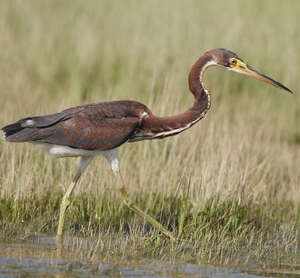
(233, 61)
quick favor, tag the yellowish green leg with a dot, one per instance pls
(84, 162)
(112, 158)
(141, 213)
(63, 207)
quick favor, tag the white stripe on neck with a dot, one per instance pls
(208, 64)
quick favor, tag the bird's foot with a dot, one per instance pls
(130, 204)
(63, 207)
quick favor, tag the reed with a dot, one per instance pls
(230, 182)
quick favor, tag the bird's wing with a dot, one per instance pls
(100, 126)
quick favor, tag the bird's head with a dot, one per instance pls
(229, 60)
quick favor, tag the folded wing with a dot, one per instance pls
(100, 126)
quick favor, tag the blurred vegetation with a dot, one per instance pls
(230, 183)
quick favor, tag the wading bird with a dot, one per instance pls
(99, 129)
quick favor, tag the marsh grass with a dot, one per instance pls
(228, 186)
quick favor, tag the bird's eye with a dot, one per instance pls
(233, 61)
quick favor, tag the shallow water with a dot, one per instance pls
(37, 257)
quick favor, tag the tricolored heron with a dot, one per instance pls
(99, 129)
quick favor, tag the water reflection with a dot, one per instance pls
(37, 257)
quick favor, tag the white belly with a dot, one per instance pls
(65, 151)
(57, 151)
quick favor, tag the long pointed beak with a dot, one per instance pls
(255, 74)
(243, 68)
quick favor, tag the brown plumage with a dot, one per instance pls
(107, 125)
(93, 129)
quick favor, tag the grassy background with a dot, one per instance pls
(234, 176)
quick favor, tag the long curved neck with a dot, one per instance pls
(160, 127)
(201, 94)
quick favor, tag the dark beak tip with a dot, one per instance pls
(288, 90)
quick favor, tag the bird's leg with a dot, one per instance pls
(138, 211)
(112, 157)
(84, 162)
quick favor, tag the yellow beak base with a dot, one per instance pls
(243, 68)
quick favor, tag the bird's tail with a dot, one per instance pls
(28, 129)
(19, 132)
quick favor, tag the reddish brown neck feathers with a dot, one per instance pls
(159, 127)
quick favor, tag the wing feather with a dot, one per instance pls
(99, 126)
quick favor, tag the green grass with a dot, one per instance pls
(228, 186)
